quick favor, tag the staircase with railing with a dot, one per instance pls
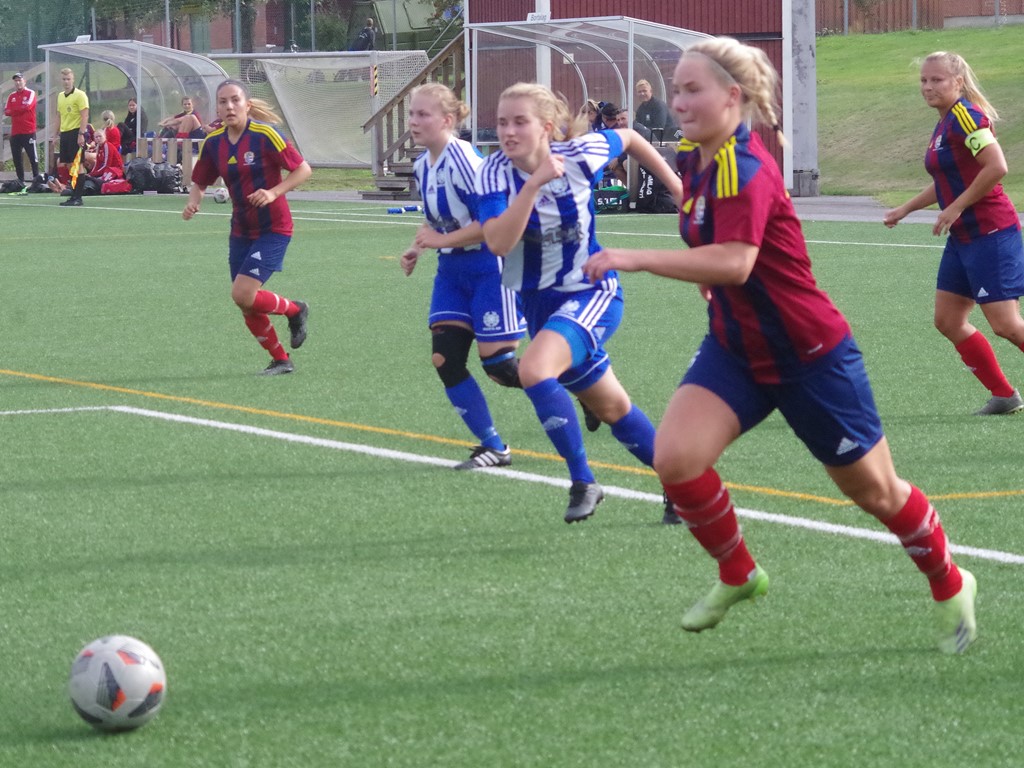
(392, 147)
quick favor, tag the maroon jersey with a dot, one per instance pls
(254, 162)
(951, 163)
(778, 321)
(21, 108)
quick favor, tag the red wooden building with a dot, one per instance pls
(757, 22)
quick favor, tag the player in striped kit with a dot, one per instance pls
(468, 300)
(249, 155)
(537, 211)
(775, 341)
(983, 261)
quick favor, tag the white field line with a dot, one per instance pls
(610, 490)
(415, 220)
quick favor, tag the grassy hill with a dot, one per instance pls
(873, 125)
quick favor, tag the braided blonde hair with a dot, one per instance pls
(971, 91)
(748, 67)
(549, 107)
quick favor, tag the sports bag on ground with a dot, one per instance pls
(139, 173)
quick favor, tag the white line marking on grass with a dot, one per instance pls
(55, 410)
(610, 490)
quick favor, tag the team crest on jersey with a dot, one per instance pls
(938, 143)
(698, 210)
(559, 186)
(249, 158)
(491, 319)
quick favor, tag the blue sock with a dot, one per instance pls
(635, 431)
(557, 415)
(469, 403)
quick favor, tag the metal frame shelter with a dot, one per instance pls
(160, 76)
(600, 58)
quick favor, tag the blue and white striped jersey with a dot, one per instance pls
(448, 189)
(559, 236)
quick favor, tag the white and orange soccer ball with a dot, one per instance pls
(117, 683)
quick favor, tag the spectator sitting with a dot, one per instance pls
(108, 166)
(135, 124)
(591, 111)
(187, 124)
(617, 167)
(653, 113)
(609, 116)
(113, 137)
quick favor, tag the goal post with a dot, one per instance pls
(325, 99)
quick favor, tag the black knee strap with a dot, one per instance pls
(503, 367)
(452, 344)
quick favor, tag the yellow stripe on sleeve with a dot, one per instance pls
(727, 180)
(963, 116)
(269, 132)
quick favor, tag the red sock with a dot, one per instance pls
(919, 529)
(261, 327)
(705, 506)
(268, 303)
(977, 355)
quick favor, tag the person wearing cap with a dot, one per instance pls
(73, 115)
(21, 108)
(609, 112)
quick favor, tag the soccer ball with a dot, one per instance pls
(117, 683)
(220, 195)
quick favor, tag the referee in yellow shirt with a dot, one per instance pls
(73, 115)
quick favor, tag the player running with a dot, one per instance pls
(469, 300)
(983, 262)
(249, 155)
(537, 211)
(776, 341)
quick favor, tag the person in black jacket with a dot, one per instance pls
(653, 113)
(134, 122)
(367, 38)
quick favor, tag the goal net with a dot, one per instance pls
(325, 99)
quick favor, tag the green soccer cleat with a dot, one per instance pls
(957, 627)
(711, 608)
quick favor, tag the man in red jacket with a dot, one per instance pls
(21, 108)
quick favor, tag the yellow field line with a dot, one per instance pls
(449, 441)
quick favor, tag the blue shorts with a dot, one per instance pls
(586, 320)
(468, 289)
(990, 268)
(259, 258)
(831, 408)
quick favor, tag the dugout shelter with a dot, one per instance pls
(157, 77)
(598, 58)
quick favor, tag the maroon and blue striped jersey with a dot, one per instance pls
(951, 163)
(779, 320)
(254, 162)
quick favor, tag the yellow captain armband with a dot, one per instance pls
(980, 139)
